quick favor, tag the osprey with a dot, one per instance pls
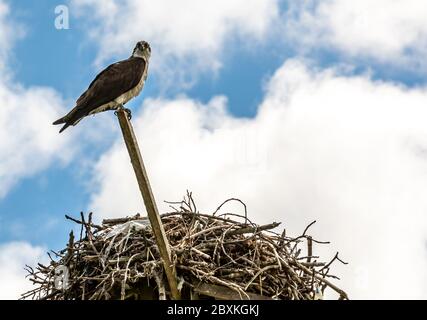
(112, 88)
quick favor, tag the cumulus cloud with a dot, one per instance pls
(190, 33)
(10, 31)
(4, 28)
(345, 150)
(29, 142)
(190, 36)
(13, 257)
(394, 32)
(5, 35)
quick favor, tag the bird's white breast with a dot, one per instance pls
(125, 97)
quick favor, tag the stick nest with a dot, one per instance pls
(217, 255)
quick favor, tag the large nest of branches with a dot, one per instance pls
(222, 256)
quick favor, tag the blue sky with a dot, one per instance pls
(319, 118)
(63, 60)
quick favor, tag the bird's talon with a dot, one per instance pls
(129, 113)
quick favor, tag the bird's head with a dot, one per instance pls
(142, 50)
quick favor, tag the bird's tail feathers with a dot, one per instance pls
(60, 120)
(67, 119)
(64, 127)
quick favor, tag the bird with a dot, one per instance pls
(112, 88)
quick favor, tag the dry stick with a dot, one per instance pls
(254, 229)
(122, 220)
(233, 199)
(216, 280)
(50, 295)
(123, 291)
(343, 295)
(309, 249)
(259, 273)
(194, 235)
(80, 222)
(90, 237)
(160, 286)
(306, 228)
(330, 262)
(282, 238)
(69, 256)
(70, 249)
(150, 204)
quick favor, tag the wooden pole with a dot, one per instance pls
(150, 203)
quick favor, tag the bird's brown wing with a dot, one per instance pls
(111, 83)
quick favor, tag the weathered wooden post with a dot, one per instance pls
(150, 203)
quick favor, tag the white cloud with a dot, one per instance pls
(192, 36)
(10, 31)
(345, 150)
(394, 32)
(192, 33)
(29, 142)
(3, 12)
(13, 258)
(4, 32)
